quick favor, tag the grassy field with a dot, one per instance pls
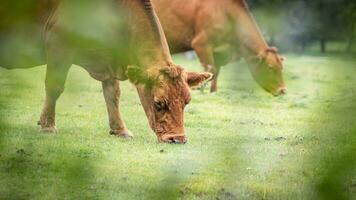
(243, 143)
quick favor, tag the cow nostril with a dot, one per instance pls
(183, 141)
(171, 141)
(176, 140)
(283, 91)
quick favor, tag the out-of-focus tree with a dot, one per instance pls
(330, 25)
(291, 22)
(270, 17)
(349, 16)
(335, 21)
(301, 21)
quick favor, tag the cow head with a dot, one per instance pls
(164, 93)
(266, 69)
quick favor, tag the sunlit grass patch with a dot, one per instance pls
(243, 143)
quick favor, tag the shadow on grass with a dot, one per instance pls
(208, 180)
(28, 169)
(338, 173)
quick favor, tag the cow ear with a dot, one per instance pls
(197, 78)
(137, 75)
(273, 49)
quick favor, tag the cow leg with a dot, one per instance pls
(214, 82)
(111, 90)
(206, 56)
(55, 78)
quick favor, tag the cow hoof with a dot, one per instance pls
(213, 90)
(122, 133)
(48, 130)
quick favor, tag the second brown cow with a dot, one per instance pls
(219, 31)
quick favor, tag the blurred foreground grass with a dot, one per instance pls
(243, 143)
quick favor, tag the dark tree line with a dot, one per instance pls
(299, 23)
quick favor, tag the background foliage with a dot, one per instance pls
(297, 24)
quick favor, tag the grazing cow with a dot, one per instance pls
(115, 41)
(218, 31)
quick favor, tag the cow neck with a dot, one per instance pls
(161, 57)
(253, 43)
(150, 47)
(157, 30)
(153, 68)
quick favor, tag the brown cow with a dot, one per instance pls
(117, 40)
(219, 30)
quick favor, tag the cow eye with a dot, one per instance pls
(160, 106)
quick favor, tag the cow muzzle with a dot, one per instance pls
(280, 91)
(173, 138)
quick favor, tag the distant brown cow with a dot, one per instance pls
(219, 30)
(115, 40)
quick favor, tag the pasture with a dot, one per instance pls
(242, 142)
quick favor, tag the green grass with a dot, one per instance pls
(243, 143)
